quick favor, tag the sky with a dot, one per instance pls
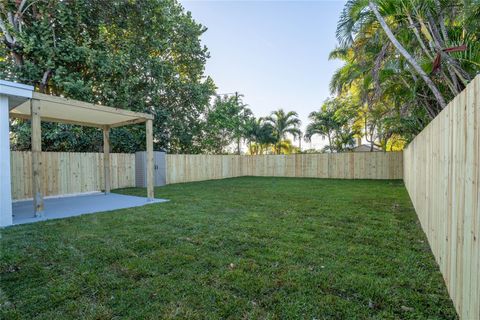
(275, 53)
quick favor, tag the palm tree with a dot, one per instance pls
(403, 59)
(260, 135)
(241, 119)
(417, 31)
(286, 147)
(339, 121)
(322, 123)
(284, 123)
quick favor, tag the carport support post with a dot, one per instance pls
(106, 158)
(37, 180)
(5, 179)
(149, 134)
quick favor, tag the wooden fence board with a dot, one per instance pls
(442, 174)
(360, 165)
(70, 173)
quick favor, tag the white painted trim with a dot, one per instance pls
(5, 173)
(16, 85)
(16, 89)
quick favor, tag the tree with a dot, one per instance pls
(139, 55)
(284, 123)
(408, 56)
(337, 120)
(260, 135)
(227, 123)
(285, 147)
(322, 123)
(241, 119)
(403, 60)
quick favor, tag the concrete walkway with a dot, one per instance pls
(64, 207)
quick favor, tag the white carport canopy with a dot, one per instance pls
(20, 101)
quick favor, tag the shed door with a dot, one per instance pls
(159, 166)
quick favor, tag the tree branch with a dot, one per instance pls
(43, 84)
(6, 34)
(418, 36)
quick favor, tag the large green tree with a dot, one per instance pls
(142, 55)
(227, 123)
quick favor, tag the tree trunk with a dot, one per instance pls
(238, 145)
(439, 44)
(407, 56)
(44, 82)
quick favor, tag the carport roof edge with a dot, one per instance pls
(59, 109)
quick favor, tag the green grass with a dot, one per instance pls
(244, 248)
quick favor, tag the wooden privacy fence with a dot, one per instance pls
(187, 168)
(442, 176)
(359, 165)
(69, 173)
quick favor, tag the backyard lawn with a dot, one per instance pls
(243, 248)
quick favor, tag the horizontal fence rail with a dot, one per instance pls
(442, 176)
(70, 173)
(354, 165)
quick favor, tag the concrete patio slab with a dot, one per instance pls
(70, 206)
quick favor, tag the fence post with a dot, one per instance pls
(37, 166)
(106, 158)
